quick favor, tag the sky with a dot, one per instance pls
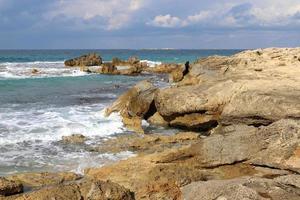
(135, 24)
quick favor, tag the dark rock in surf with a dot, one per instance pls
(91, 59)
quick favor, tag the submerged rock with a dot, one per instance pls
(9, 187)
(74, 139)
(91, 59)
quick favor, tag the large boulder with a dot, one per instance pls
(91, 59)
(253, 87)
(9, 187)
(135, 104)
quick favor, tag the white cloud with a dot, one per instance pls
(166, 21)
(117, 13)
(260, 13)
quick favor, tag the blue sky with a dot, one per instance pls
(196, 24)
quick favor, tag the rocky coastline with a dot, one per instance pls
(239, 138)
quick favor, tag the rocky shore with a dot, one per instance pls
(239, 138)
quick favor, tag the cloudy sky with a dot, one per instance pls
(149, 23)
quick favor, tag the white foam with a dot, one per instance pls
(45, 69)
(151, 63)
(53, 123)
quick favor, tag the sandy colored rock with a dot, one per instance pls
(105, 190)
(243, 188)
(176, 75)
(195, 121)
(43, 179)
(134, 105)
(59, 192)
(275, 146)
(145, 144)
(74, 139)
(249, 87)
(157, 120)
(91, 59)
(9, 187)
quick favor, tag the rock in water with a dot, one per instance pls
(91, 59)
(9, 187)
(135, 105)
(74, 139)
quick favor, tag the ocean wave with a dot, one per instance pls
(15, 70)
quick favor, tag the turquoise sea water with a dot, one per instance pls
(37, 110)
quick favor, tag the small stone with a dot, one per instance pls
(34, 71)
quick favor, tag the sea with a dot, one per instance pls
(37, 110)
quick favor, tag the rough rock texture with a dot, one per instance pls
(8, 187)
(145, 144)
(134, 105)
(285, 187)
(176, 75)
(157, 120)
(274, 146)
(232, 151)
(91, 59)
(106, 190)
(74, 139)
(84, 190)
(43, 179)
(250, 87)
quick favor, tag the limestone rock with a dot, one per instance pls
(249, 87)
(108, 68)
(133, 60)
(59, 192)
(74, 139)
(275, 146)
(157, 120)
(176, 75)
(195, 121)
(43, 179)
(106, 190)
(242, 188)
(9, 187)
(91, 59)
(134, 105)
